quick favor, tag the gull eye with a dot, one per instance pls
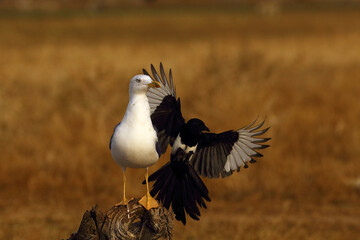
(138, 80)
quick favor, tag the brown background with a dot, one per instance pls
(63, 87)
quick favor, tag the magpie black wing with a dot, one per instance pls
(165, 110)
(221, 154)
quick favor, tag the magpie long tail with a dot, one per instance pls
(179, 186)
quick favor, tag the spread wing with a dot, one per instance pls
(223, 153)
(165, 110)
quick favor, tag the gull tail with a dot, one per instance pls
(179, 186)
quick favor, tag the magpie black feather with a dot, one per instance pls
(179, 186)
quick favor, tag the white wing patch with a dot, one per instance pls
(178, 144)
(156, 95)
(244, 149)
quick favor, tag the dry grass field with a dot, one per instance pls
(64, 86)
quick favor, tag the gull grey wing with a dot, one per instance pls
(221, 154)
(164, 108)
(112, 135)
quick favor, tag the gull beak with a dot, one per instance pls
(154, 84)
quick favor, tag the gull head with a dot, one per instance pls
(140, 84)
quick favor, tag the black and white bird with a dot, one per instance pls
(134, 142)
(195, 151)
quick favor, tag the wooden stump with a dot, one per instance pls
(126, 223)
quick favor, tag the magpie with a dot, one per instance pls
(134, 142)
(195, 151)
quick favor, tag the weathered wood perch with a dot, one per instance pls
(125, 222)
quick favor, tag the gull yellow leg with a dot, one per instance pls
(147, 201)
(125, 200)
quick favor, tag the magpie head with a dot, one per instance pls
(141, 84)
(196, 126)
(191, 132)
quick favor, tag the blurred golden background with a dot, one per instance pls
(64, 75)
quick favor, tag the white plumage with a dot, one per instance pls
(134, 141)
(178, 144)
